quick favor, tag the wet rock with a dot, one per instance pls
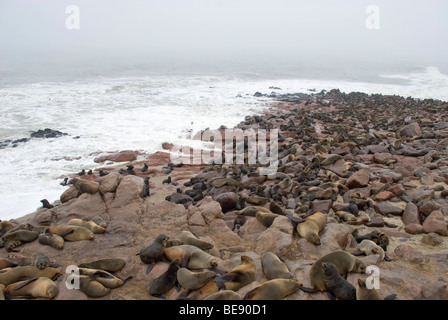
(122, 156)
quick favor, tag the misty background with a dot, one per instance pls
(269, 38)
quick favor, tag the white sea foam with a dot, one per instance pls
(137, 113)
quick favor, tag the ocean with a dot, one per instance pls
(113, 112)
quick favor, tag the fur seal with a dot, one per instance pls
(274, 268)
(145, 167)
(71, 232)
(52, 240)
(252, 210)
(220, 182)
(5, 263)
(41, 287)
(40, 261)
(20, 235)
(110, 265)
(46, 204)
(88, 224)
(188, 237)
(344, 263)
(190, 257)
(337, 287)
(275, 289)
(154, 252)
(224, 295)
(173, 243)
(362, 293)
(266, 218)
(20, 272)
(368, 247)
(92, 288)
(85, 186)
(5, 226)
(310, 228)
(99, 221)
(107, 279)
(194, 280)
(239, 276)
(166, 281)
(2, 295)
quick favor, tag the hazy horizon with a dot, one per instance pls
(214, 35)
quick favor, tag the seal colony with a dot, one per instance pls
(361, 181)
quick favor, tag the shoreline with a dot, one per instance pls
(350, 133)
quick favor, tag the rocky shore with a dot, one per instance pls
(372, 164)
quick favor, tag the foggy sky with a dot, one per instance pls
(334, 32)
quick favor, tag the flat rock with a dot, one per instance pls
(386, 208)
(359, 179)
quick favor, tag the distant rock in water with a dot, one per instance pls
(46, 133)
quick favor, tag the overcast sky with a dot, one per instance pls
(410, 32)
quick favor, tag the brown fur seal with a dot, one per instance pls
(194, 280)
(239, 276)
(85, 186)
(40, 287)
(338, 287)
(189, 238)
(368, 247)
(190, 257)
(220, 182)
(173, 243)
(166, 281)
(21, 235)
(252, 210)
(274, 268)
(10, 245)
(88, 224)
(107, 279)
(266, 218)
(71, 233)
(5, 226)
(20, 272)
(5, 263)
(224, 295)
(154, 252)
(2, 295)
(92, 288)
(344, 263)
(275, 289)
(310, 228)
(110, 265)
(52, 240)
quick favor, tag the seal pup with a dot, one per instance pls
(344, 263)
(103, 173)
(368, 247)
(88, 224)
(145, 167)
(274, 268)
(167, 181)
(81, 173)
(46, 204)
(193, 280)
(154, 252)
(239, 276)
(91, 287)
(71, 232)
(337, 287)
(275, 289)
(166, 281)
(40, 260)
(191, 257)
(41, 287)
(64, 182)
(52, 240)
(310, 227)
(187, 237)
(363, 293)
(85, 186)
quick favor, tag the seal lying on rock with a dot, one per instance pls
(310, 227)
(85, 186)
(154, 252)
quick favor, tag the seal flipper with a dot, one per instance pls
(25, 283)
(358, 253)
(331, 296)
(185, 261)
(387, 258)
(296, 220)
(392, 296)
(308, 290)
(220, 272)
(149, 268)
(66, 232)
(228, 277)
